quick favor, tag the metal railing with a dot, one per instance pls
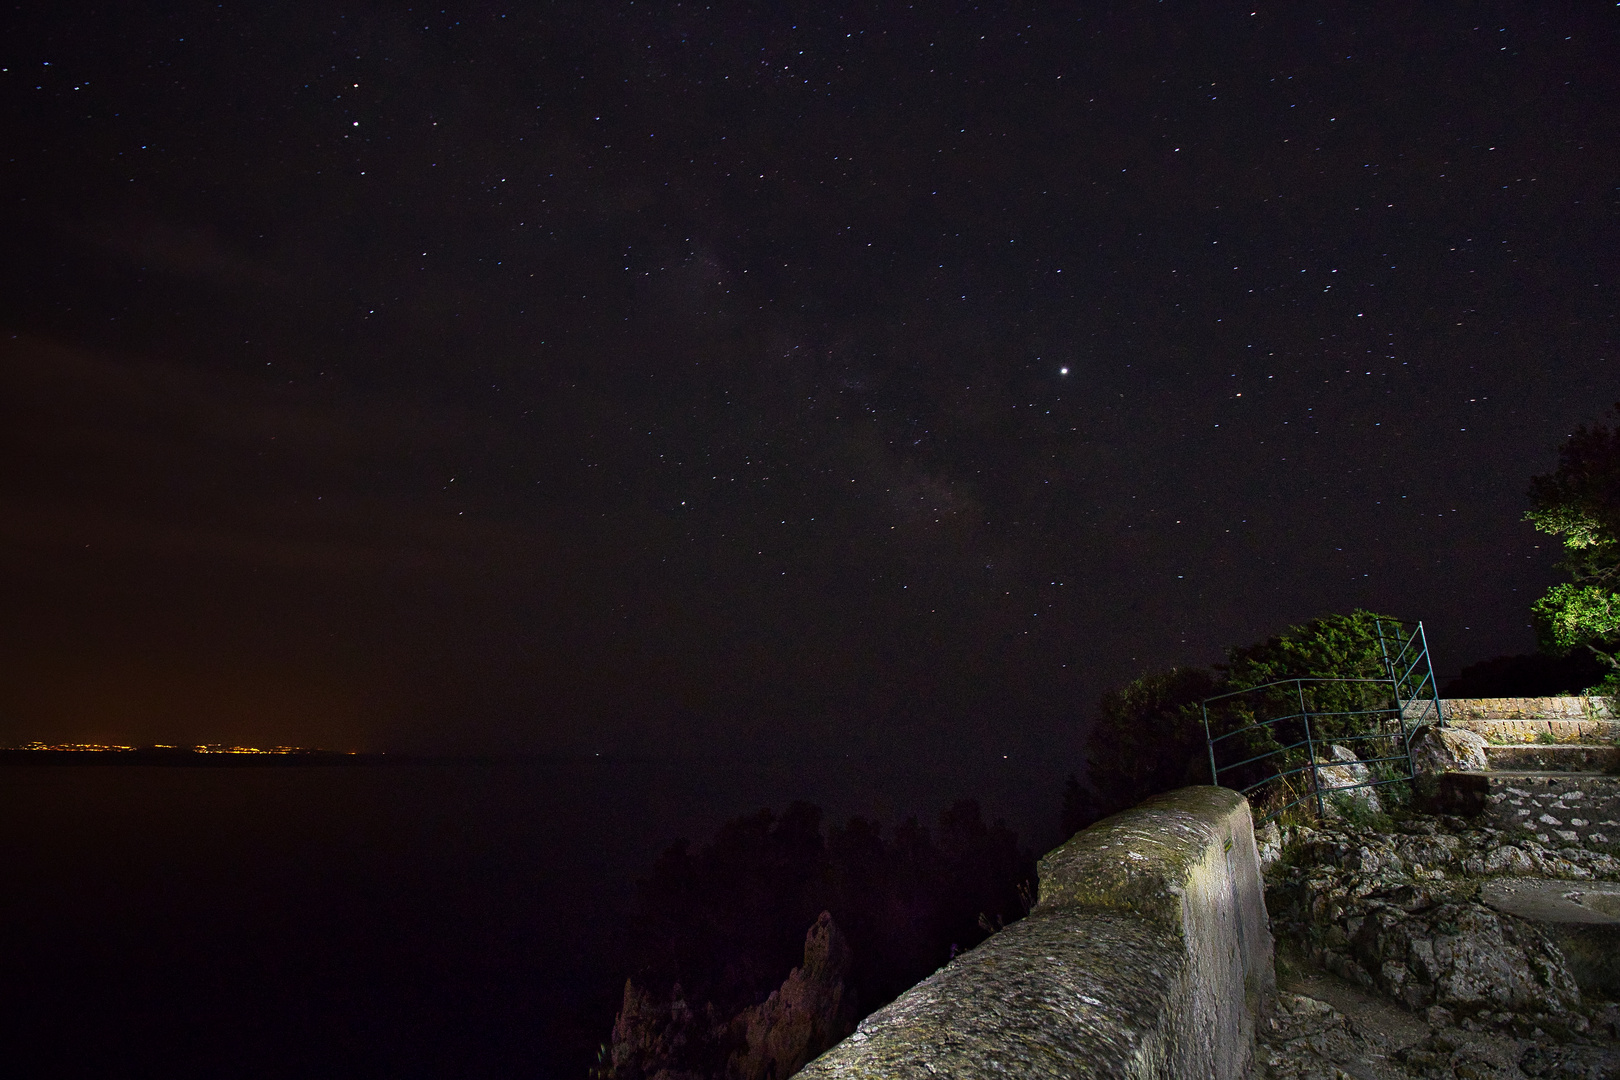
(1406, 661)
(1277, 730)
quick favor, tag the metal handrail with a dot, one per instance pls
(1404, 653)
(1289, 682)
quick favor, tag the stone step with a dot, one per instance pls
(1567, 708)
(1533, 758)
(1583, 917)
(1594, 731)
(1558, 809)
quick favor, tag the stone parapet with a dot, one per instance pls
(1147, 955)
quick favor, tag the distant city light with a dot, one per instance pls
(202, 748)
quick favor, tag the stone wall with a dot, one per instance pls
(1147, 955)
(1567, 757)
(1569, 810)
(1560, 810)
(1528, 708)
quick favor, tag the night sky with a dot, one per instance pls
(772, 379)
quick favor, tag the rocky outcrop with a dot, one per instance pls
(1308, 1038)
(1344, 783)
(1459, 956)
(1581, 918)
(1447, 749)
(657, 1038)
(1400, 914)
(809, 1014)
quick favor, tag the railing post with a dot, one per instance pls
(1434, 687)
(1383, 648)
(1214, 773)
(1310, 748)
(1400, 705)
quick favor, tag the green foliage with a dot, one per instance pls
(1330, 647)
(1571, 615)
(1580, 502)
(1361, 817)
(1149, 734)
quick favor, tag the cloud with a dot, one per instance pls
(172, 536)
(164, 461)
(184, 250)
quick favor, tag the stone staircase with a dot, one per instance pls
(1553, 770)
(1552, 777)
(1526, 720)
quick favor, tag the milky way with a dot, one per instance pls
(651, 376)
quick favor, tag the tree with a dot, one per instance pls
(1080, 807)
(1329, 647)
(1580, 501)
(1149, 737)
(1149, 734)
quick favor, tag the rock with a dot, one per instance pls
(1307, 1039)
(1529, 859)
(658, 1039)
(1447, 749)
(1268, 839)
(1429, 855)
(1400, 914)
(1583, 919)
(1477, 958)
(1570, 1062)
(805, 1017)
(1341, 782)
(1450, 1053)
(1407, 914)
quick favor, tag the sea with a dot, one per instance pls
(445, 918)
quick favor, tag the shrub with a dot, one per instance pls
(1149, 735)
